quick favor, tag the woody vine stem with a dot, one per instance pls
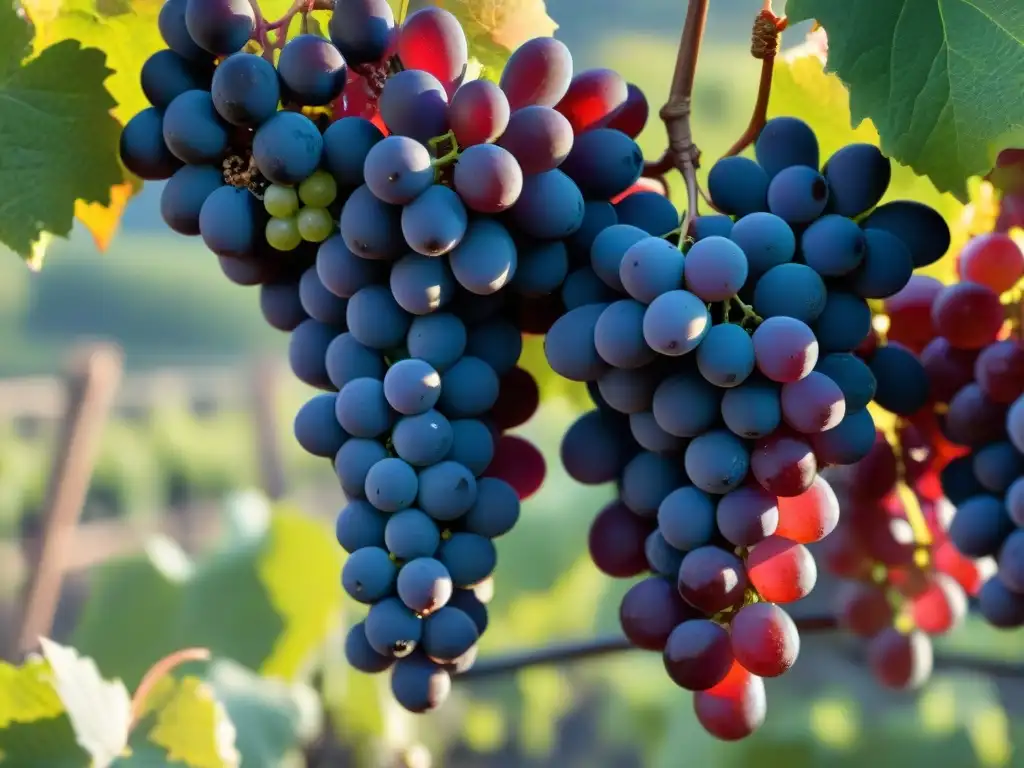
(682, 153)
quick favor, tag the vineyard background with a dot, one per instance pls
(205, 524)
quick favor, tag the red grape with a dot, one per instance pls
(864, 609)
(890, 541)
(632, 116)
(900, 661)
(877, 473)
(712, 580)
(949, 369)
(747, 515)
(538, 73)
(734, 708)
(432, 40)
(969, 315)
(999, 371)
(910, 312)
(784, 465)
(842, 554)
(811, 516)
(993, 260)
(813, 404)
(765, 639)
(518, 398)
(593, 99)
(650, 611)
(479, 113)
(781, 570)
(941, 607)
(785, 349)
(973, 419)
(518, 463)
(616, 541)
(1011, 212)
(698, 654)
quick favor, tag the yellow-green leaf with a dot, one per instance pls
(193, 727)
(26, 693)
(307, 597)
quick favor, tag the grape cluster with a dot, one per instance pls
(725, 377)
(976, 365)
(905, 582)
(408, 226)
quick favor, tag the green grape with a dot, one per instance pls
(280, 201)
(283, 234)
(315, 224)
(319, 190)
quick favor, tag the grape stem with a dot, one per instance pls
(911, 506)
(261, 34)
(563, 653)
(403, 12)
(448, 146)
(682, 154)
(749, 315)
(764, 45)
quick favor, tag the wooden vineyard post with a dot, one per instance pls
(265, 388)
(92, 382)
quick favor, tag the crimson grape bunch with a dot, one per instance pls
(725, 378)
(977, 363)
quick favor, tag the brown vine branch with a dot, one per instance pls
(682, 154)
(588, 649)
(764, 45)
(561, 653)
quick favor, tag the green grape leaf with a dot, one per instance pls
(130, 617)
(126, 30)
(267, 603)
(193, 727)
(941, 79)
(802, 88)
(58, 140)
(299, 568)
(34, 730)
(271, 718)
(100, 712)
